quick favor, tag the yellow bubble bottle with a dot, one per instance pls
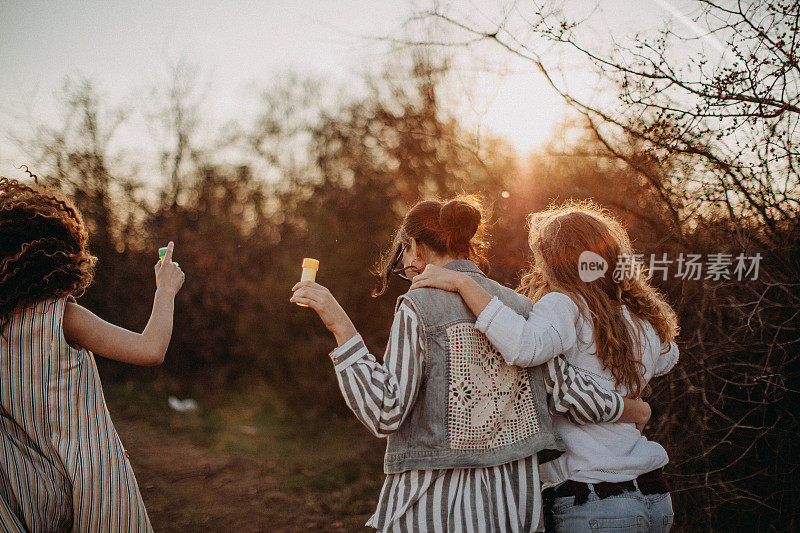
(309, 273)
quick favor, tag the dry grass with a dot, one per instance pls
(242, 463)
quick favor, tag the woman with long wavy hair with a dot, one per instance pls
(617, 328)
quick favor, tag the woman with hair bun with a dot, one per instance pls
(620, 329)
(465, 431)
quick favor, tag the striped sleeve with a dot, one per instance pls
(381, 395)
(578, 396)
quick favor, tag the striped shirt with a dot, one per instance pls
(504, 498)
(62, 465)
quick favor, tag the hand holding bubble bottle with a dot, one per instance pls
(308, 293)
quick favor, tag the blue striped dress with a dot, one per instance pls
(62, 465)
(500, 499)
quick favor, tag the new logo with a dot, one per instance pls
(591, 266)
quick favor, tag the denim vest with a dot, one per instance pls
(472, 409)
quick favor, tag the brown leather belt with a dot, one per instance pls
(652, 482)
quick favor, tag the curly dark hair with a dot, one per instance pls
(43, 249)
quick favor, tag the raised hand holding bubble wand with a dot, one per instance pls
(84, 328)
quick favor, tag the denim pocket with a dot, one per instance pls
(565, 502)
(631, 524)
(668, 521)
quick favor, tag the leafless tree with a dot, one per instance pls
(178, 118)
(705, 110)
(723, 100)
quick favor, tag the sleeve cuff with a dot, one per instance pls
(488, 314)
(348, 353)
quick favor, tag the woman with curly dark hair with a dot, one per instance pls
(62, 465)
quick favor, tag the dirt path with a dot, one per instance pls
(189, 488)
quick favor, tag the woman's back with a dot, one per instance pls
(609, 451)
(63, 465)
(475, 409)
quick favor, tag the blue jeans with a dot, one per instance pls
(629, 512)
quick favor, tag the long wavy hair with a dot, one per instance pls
(43, 250)
(557, 237)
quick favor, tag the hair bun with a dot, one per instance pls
(460, 218)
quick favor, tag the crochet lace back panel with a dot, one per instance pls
(490, 403)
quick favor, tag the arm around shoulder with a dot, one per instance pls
(549, 329)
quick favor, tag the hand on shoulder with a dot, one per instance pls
(439, 278)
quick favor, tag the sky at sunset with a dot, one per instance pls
(125, 48)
